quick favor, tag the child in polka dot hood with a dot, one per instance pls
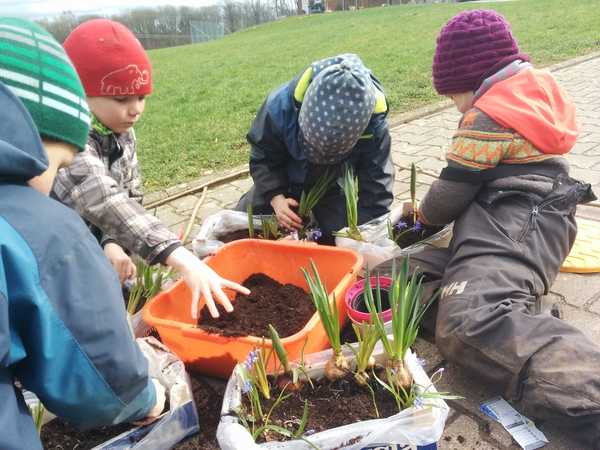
(333, 114)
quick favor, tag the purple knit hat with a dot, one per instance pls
(472, 46)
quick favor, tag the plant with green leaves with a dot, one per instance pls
(270, 227)
(338, 365)
(413, 191)
(309, 200)
(367, 336)
(37, 414)
(148, 283)
(416, 394)
(255, 385)
(407, 308)
(291, 374)
(350, 187)
(255, 369)
(250, 215)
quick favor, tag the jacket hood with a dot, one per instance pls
(22, 154)
(532, 103)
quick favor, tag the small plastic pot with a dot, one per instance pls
(356, 307)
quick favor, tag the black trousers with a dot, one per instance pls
(506, 251)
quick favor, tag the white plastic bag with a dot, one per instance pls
(377, 247)
(419, 428)
(207, 241)
(174, 425)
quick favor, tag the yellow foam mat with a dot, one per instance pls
(585, 254)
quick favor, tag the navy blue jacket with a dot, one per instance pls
(63, 327)
(278, 164)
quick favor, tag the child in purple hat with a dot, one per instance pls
(506, 188)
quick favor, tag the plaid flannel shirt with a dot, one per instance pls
(104, 185)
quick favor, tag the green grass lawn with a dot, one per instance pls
(206, 94)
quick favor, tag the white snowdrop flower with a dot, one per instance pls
(325, 113)
(323, 103)
(351, 103)
(332, 107)
(346, 93)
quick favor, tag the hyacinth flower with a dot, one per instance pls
(255, 369)
(314, 235)
(337, 366)
(407, 310)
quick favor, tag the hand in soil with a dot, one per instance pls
(287, 307)
(201, 279)
(286, 217)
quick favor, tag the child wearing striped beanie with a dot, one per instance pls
(104, 183)
(34, 67)
(61, 305)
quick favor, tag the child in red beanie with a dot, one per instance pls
(104, 182)
(507, 190)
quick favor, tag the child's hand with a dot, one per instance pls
(120, 261)
(158, 407)
(201, 279)
(286, 217)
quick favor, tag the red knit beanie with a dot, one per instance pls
(109, 59)
(472, 46)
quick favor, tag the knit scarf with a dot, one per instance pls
(100, 127)
(504, 73)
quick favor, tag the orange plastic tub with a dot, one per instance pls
(217, 355)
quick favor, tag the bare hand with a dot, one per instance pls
(286, 217)
(120, 261)
(158, 407)
(201, 279)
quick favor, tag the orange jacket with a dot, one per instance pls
(534, 105)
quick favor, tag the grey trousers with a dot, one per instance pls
(505, 253)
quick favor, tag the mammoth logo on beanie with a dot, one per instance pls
(109, 59)
(125, 81)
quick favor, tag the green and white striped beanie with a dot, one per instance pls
(37, 70)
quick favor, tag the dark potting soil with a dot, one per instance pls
(208, 398)
(411, 237)
(287, 307)
(330, 405)
(234, 236)
(58, 434)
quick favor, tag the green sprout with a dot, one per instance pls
(315, 194)
(367, 336)
(290, 374)
(338, 365)
(416, 394)
(350, 188)
(148, 283)
(37, 414)
(407, 310)
(250, 221)
(413, 190)
(270, 227)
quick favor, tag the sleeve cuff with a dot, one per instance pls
(162, 256)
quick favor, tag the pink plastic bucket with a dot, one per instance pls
(355, 301)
